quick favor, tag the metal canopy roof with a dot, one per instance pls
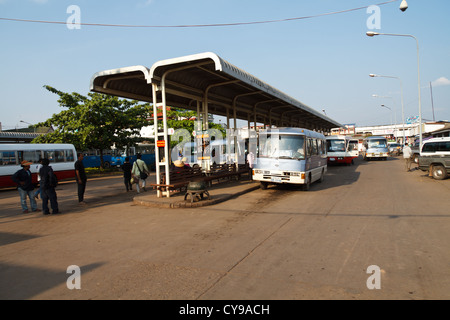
(220, 86)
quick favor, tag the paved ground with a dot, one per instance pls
(280, 243)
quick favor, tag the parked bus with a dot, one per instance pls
(375, 147)
(115, 157)
(217, 151)
(290, 156)
(147, 152)
(341, 149)
(92, 160)
(62, 159)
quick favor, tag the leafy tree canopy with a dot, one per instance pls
(97, 121)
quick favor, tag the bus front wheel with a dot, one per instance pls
(307, 185)
(263, 185)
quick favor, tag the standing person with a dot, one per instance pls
(48, 188)
(140, 170)
(25, 186)
(126, 167)
(80, 175)
(407, 153)
(250, 161)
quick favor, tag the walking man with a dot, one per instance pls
(140, 170)
(80, 175)
(407, 152)
(25, 186)
(126, 167)
(48, 188)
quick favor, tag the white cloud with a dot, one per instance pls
(146, 3)
(442, 81)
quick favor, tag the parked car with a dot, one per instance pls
(435, 157)
(437, 166)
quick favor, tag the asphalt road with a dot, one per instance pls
(280, 243)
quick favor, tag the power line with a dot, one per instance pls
(199, 25)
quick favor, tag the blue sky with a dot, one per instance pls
(323, 62)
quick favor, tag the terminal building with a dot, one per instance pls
(398, 132)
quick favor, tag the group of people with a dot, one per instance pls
(46, 190)
(135, 174)
(47, 184)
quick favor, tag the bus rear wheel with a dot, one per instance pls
(322, 176)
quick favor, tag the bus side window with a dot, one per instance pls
(59, 156)
(50, 155)
(7, 158)
(309, 150)
(69, 155)
(315, 150)
(321, 147)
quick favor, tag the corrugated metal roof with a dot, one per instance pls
(13, 136)
(190, 78)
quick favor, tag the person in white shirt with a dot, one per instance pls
(407, 153)
(140, 170)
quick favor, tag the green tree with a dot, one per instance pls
(95, 122)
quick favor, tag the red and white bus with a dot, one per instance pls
(62, 159)
(342, 149)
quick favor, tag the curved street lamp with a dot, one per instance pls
(371, 34)
(34, 128)
(384, 106)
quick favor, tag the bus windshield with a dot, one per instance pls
(281, 146)
(377, 143)
(335, 146)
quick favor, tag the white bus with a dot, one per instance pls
(218, 152)
(62, 159)
(341, 149)
(290, 156)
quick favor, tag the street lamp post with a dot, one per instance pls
(371, 34)
(34, 128)
(393, 113)
(401, 94)
(384, 106)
